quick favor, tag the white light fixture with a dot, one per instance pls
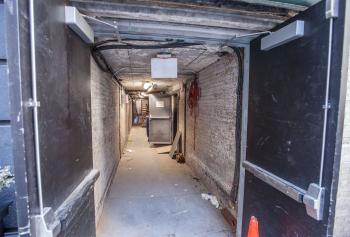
(147, 85)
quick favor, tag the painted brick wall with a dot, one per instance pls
(105, 131)
(342, 211)
(125, 118)
(213, 157)
(111, 124)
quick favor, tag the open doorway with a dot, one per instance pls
(149, 185)
(255, 112)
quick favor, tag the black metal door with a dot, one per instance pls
(292, 112)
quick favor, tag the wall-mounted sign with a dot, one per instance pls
(160, 104)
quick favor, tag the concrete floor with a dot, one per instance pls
(154, 196)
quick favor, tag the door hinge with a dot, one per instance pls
(332, 8)
(31, 103)
(314, 201)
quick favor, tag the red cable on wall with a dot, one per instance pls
(193, 98)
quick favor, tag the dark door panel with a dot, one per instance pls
(286, 97)
(286, 122)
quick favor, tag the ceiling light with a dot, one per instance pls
(147, 85)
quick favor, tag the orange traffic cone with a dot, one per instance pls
(253, 228)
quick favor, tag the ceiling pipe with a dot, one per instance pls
(102, 47)
(147, 70)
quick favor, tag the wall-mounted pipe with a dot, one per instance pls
(40, 227)
(35, 105)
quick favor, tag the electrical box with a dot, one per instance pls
(164, 68)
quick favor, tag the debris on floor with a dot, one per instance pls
(163, 149)
(213, 200)
(129, 150)
(180, 212)
(196, 178)
(180, 158)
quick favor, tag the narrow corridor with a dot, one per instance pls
(152, 195)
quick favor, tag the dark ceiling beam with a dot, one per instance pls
(300, 5)
(148, 30)
(261, 8)
(247, 18)
(162, 38)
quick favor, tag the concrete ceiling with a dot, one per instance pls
(211, 23)
(132, 66)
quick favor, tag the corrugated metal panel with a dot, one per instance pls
(2, 32)
(5, 146)
(7, 195)
(4, 94)
(160, 125)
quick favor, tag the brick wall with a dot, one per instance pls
(342, 210)
(105, 131)
(213, 158)
(125, 118)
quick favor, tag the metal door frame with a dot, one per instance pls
(244, 127)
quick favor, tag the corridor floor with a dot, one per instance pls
(154, 196)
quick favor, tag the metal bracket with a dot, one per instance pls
(46, 225)
(327, 106)
(314, 201)
(32, 103)
(332, 9)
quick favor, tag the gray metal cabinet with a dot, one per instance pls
(160, 119)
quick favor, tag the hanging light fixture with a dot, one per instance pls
(147, 85)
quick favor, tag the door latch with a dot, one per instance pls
(314, 201)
